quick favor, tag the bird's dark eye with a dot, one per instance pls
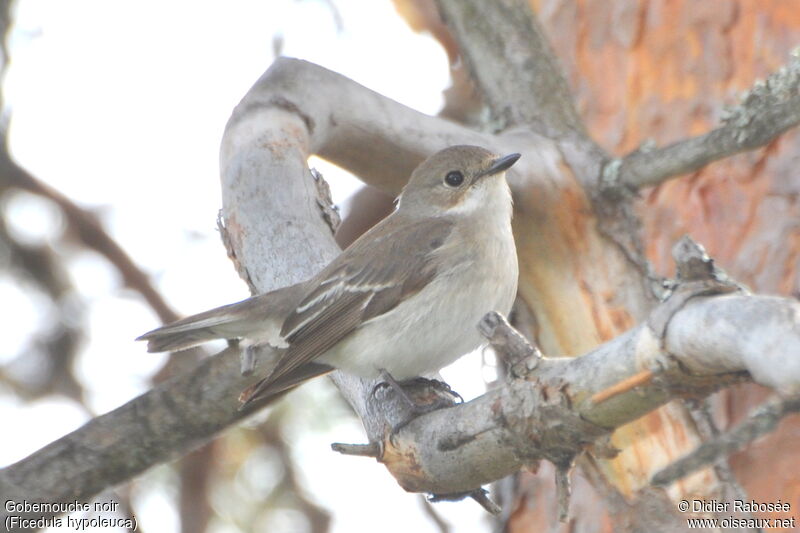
(454, 178)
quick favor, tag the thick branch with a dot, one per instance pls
(551, 415)
(769, 109)
(174, 417)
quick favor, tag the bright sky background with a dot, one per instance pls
(121, 106)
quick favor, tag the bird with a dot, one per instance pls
(402, 301)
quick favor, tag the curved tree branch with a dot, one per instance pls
(378, 139)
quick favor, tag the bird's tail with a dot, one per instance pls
(252, 316)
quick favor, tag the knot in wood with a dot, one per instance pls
(541, 422)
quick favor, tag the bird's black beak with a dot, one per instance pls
(499, 165)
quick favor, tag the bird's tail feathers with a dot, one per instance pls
(227, 322)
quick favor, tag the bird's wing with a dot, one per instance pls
(366, 281)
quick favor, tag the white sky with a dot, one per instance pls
(121, 106)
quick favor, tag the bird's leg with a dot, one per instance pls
(248, 356)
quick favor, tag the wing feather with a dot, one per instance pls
(364, 282)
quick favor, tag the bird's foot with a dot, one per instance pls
(442, 388)
(432, 392)
(416, 397)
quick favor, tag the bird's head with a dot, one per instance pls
(458, 179)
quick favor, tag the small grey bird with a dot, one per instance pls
(403, 299)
